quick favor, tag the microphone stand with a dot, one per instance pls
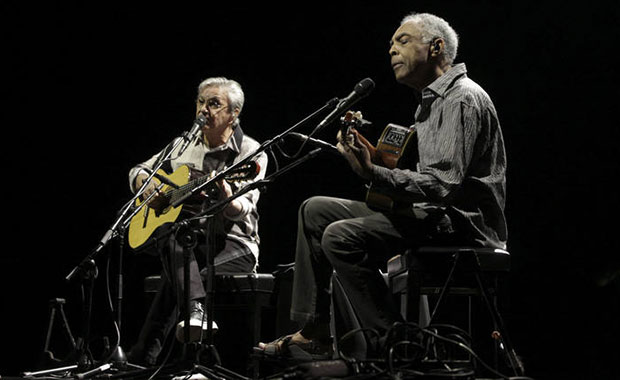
(120, 225)
(330, 104)
(118, 228)
(87, 270)
(214, 369)
(188, 241)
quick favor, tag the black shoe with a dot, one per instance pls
(197, 323)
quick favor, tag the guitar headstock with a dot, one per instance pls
(352, 119)
(244, 172)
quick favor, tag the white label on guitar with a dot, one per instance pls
(395, 137)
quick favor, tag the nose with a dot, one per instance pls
(203, 109)
(392, 51)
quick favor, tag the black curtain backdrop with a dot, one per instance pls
(91, 90)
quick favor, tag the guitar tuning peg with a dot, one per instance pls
(351, 117)
(355, 119)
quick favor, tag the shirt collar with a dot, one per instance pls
(233, 143)
(437, 88)
(445, 82)
(236, 139)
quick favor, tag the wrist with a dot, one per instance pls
(378, 173)
(233, 209)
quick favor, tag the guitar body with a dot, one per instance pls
(147, 220)
(395, 144)
(397, 147)
(186, 179)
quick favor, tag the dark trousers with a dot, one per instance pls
(164, 312)
(349, 238)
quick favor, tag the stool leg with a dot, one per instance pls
(65, 325)
(412, 302)
(511, 355)
(49, 330)
(425, 316)
(446, 286)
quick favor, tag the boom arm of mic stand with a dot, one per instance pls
(332, 103)
(257, 184)
(122, 219)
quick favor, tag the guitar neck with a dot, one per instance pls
(244, 172)
(184, 191)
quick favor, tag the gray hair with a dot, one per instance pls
(235, 95)
(435, 27)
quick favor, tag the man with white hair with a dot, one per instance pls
(454, 191)
(220, 144)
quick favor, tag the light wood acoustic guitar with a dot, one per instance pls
(180, 184)
(396, 147)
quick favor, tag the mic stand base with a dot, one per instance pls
(218, 372)
(119, 360)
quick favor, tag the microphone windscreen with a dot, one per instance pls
(200, 120)
(364, 87)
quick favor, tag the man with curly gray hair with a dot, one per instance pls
(453, 193)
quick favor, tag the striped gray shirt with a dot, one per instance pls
(462, 161)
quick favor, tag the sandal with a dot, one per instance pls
(285, 347)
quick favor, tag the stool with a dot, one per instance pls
(439, 271)
(248, 293)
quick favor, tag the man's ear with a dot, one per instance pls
(235, 115)
(436, 47)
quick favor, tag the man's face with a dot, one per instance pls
(212, 102)
(408, 54)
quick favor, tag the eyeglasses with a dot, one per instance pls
(213, 104)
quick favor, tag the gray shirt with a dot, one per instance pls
(462, 161)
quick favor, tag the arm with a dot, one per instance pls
(241, 206)
(446, 149)
(138, 174)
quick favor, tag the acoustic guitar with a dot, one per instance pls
(179, 185)
(396, 147)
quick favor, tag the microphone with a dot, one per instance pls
(316, 142)
(200, 121)
(361, 90)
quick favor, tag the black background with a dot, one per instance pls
(90, 90)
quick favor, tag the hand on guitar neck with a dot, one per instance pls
(357, 150)
(392, 148)
(157, 200)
